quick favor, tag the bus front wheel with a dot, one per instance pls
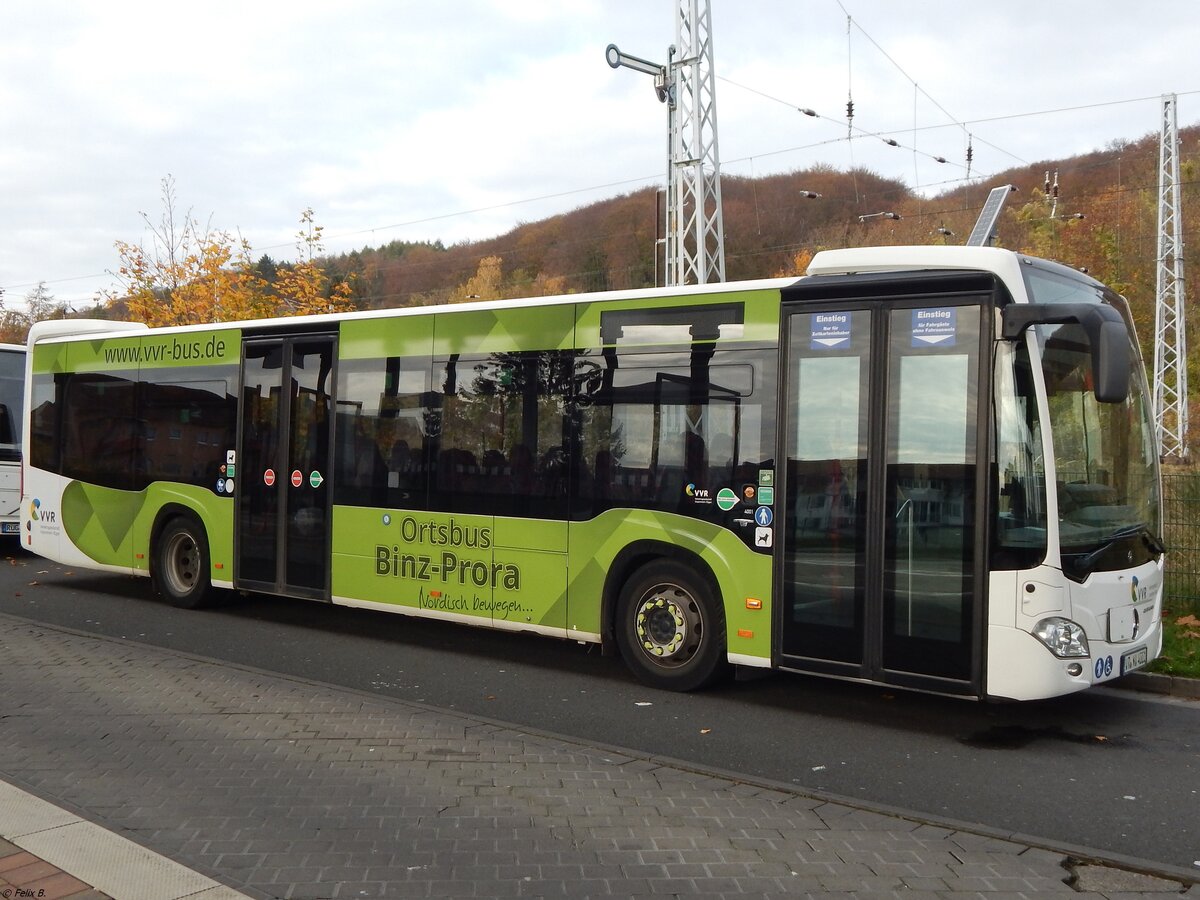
(670, 630)
(181, 571)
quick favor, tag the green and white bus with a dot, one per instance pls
(927, 467)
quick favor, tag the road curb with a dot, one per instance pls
(96, 855)
(1156, 683)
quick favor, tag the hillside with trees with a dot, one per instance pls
(1103, 218)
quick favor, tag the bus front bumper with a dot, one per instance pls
(1021, 667)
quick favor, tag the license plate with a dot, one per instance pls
(1135, 660)
(10, 527)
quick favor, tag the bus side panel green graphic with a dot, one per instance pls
(49, 359)
(403, 336)
(741, 573)
(449, 563)
(485, 568)
(759, 317)
(113, 526)
(505, 330)
(139, 350)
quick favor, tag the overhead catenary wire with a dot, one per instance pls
(643, 180)
(854, 132)
(953, 118)
(657, 177)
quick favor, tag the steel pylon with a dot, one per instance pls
(695, 226)
(1170, 333)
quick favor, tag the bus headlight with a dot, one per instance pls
(1062, 637)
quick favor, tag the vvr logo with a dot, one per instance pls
(41, 515)
(1139, 593)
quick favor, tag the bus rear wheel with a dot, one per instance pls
(181, 570)
(670, 630)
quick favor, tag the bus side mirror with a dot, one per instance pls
(1111, 363)
(1108, 339)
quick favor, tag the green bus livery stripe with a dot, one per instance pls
(113, 526)
(197, 348)
(549, 326)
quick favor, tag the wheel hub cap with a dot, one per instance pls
(668, 625)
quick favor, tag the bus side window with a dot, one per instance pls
(185, 423)
(45, 437)
(503, 430)
(380, 432)
(668, 430)
(100, 432)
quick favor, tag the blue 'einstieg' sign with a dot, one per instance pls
(934, 327)
(829, 331)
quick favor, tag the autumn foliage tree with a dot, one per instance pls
(303, 287)
(487, 283)
(189, 274)
(797, 265)
(40, 305)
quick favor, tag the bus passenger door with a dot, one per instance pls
(282, 536)
(879, 569)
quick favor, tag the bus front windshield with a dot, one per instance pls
(1106, 469)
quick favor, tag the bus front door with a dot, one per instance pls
(879, 571)
(282, 536)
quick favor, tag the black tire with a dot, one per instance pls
(181, 564)
(670, 629)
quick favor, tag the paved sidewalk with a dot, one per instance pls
(263, 786)
(24, 875)
(44, 842)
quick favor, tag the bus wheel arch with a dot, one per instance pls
(664, 613)
(180, 558)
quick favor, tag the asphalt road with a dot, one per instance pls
(1107, 769)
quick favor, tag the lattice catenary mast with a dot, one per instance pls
(1170, 334)
(695, 231)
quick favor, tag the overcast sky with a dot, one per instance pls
(404, 120)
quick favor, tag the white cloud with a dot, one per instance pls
(378, 113)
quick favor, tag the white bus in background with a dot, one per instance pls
(12, 395)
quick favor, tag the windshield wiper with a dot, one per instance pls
(1141, 528)
(1082, 565)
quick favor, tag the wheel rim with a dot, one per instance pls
(669, 625)
(181, 563)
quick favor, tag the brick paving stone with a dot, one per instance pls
(299, 790)
(13, 857)
(24, 875)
